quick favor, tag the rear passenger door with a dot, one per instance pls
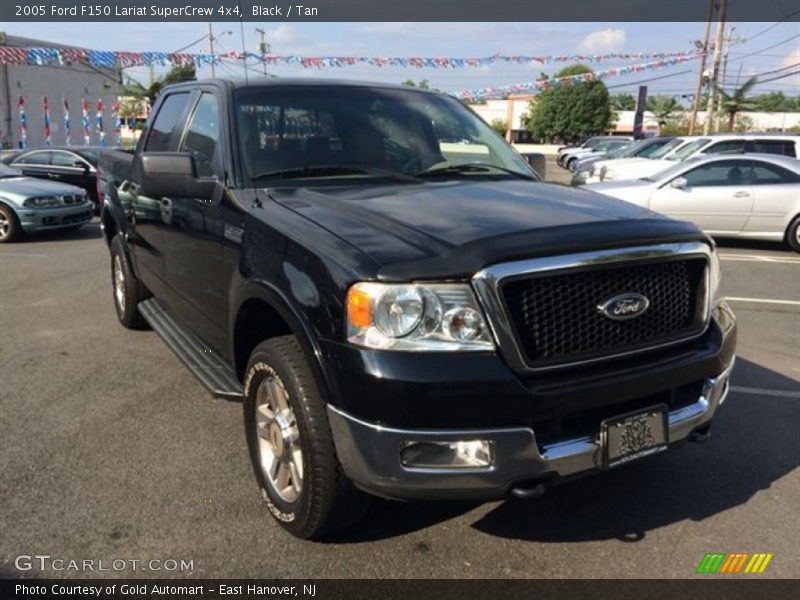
(776, 194)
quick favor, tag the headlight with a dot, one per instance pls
(416, 317)
(41, 201)
(715, 280)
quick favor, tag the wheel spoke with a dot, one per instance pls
(282, 479)
(272, 468)
(278, 395)
(297, 478)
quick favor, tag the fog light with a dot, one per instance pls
(457, 454)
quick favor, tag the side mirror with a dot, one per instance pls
(537, 161)
(171, 174)
(679, 183)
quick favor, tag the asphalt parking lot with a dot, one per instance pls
(112, 450)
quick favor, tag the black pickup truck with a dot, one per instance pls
(404, 309)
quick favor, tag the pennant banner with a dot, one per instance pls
(113, 59)
(492, 93)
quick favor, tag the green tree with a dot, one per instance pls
(570, 111)
(176, 74)
(776, 102)
(664, 109)
(499, 125)
(623, 101)
(736, 101)
(423, 84)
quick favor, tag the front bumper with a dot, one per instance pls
(370, 453)
(34, 220)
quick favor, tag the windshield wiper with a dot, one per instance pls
(331, 171)
(472, 168)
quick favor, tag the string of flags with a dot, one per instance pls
(124, 59)
(490, 93)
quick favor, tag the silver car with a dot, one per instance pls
(29, 205)
(755, 196)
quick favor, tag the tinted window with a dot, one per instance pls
(161, 136)
(726, 172)
(726, 146)
(34, 158)
(374, 128)
(764, 174)
(784, 147)
(683, 151)
(67, 159)
(202, 135)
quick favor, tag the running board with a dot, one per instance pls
(213, 372)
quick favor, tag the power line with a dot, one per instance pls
(611, 87)
(784, 19)
(794, 37)
(784, 76)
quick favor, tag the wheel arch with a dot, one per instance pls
(263, 312)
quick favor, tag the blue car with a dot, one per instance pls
(29, 205)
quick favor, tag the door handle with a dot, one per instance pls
(741, 195)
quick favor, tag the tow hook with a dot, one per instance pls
(700, 435)
(528, 493)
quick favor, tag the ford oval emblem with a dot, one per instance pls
(624, 306)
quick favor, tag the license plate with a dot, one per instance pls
(633, 436)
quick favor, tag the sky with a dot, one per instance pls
(759, 48)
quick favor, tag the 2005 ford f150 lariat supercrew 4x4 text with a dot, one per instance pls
(404, 309)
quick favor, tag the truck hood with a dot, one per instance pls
(427, 229)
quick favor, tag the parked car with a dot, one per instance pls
(639, 149)
(588, 144)
(403, 316)
(29, 205)
(780, 145)
(570, 158)
(592, 173)
(755, 196)
(74, 165)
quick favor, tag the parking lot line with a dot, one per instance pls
(764, 301)
(760, 258)
(765, 392)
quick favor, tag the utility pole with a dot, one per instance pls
(704, 53)
(211, 50)
(712, 96)
(263, 48)
(729, 39)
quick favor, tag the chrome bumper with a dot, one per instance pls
(370, 454)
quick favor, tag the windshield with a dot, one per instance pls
(6, 171)
(365, 132)
(688, 149)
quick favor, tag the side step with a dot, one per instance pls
(204, 363)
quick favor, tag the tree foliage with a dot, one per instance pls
(570, 112)
(499, 125)
(736, 101)
(623, 101)
(664, 109)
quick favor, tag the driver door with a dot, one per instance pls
(717, 196)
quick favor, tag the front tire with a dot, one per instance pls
(10, 229)
(128, 290)
(793, 235)
(291, 445)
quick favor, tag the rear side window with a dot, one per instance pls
(162, 133)
(202, 135)
(765, 174)
(67, 159)
(783, 147)
(35, 158)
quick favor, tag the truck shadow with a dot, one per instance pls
(755, 441)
